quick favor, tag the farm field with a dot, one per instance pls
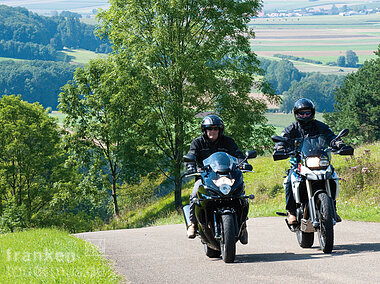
(281, 120)
(299, 4)
(45, 7)
(322, 38)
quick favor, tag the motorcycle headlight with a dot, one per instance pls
(223, 180)
(317, 162)
(225, 189)
(324, 163)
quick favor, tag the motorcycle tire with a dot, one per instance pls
(228, 243)
(305, 240)
(211, 253)
(326, 230)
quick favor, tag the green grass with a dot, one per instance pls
(81, 56)
(58, 115)
(51, 256)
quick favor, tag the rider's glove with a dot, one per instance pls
(190, 169)
(246, 167)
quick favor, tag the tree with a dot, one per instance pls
(341, 61)
(29, 156)
(315, 86)
(358, 103)
(351, 58)
(104, 106)
(198, 58)
(281, 74)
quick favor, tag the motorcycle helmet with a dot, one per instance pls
(212, 120)
(303, 104)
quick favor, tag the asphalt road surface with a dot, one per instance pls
(163, 254)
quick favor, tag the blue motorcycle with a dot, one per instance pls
(221, 204)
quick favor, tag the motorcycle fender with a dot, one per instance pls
(226, 211)
(186, 214)
(315, 196)
(336, 180)
(230, 211)
(295, 182)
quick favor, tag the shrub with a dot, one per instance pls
(361, 178)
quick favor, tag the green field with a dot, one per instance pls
(81, 56)
(322, 38)
(281, 120)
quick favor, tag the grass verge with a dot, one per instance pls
(51, 256)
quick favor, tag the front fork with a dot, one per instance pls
(218, 214)
(313, 214)
(312, 207)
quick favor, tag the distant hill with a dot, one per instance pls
(27, 35)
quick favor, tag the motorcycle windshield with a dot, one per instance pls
(220, 162)
(315, 146)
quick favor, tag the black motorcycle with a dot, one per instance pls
(221, 204)
(315, 187)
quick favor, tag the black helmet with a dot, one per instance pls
(212, 120)
(303, 104)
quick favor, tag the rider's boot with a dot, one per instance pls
(292, 219)
(337, 217)
(244, 235)
(192, 230)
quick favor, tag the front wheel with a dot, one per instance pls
(228, 244)
(326, 230)
(305, 240)
(211, 253)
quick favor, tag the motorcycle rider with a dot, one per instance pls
(305, 125)
(212, 140)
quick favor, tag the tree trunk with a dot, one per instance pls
(177, 188)
(114, 198)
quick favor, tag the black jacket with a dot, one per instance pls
(202, 148)
(313, 128)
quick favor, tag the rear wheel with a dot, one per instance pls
(228, 244)
(326, 230)
(211, 253)
(305, 240)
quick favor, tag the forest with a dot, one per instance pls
(36, 80)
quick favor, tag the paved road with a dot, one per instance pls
(163, 254)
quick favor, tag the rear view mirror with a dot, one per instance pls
(251, 154)
(280, 155)
(343, 133)
(276, 138)
(189, 158)
(346, 151)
